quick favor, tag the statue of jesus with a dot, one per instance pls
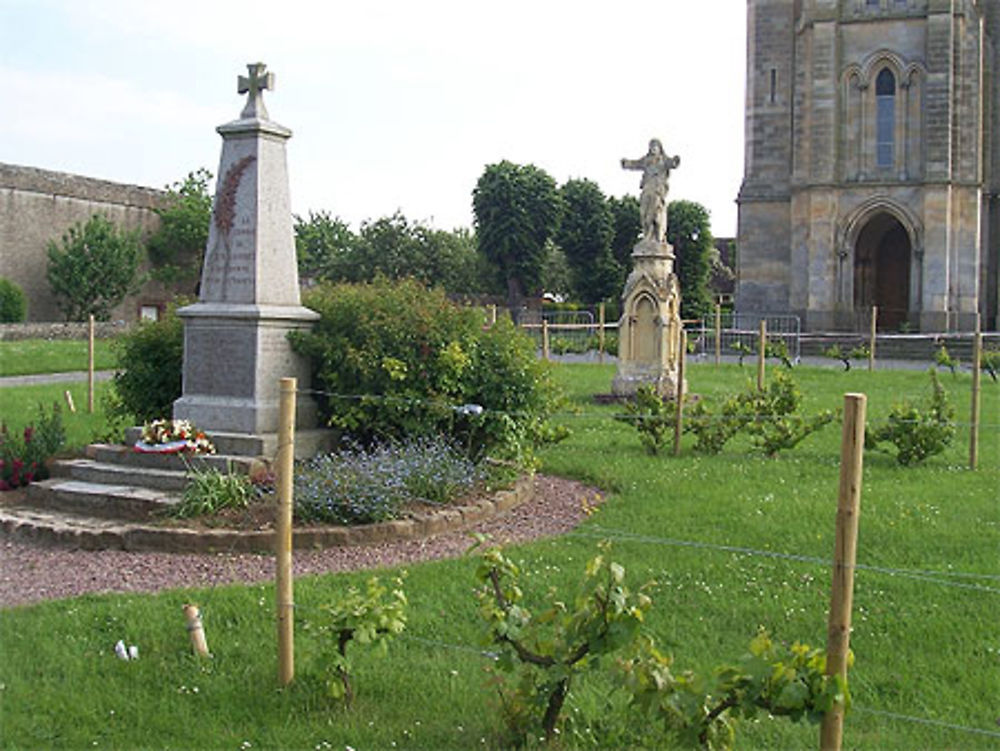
(655, 168)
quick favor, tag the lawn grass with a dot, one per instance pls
(925, 625)
(32, 356)
(19, 406)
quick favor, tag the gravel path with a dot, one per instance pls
(31, 574)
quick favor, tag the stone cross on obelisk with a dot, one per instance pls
(253, 84)
(236, 344)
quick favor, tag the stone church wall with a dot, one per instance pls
(834, 216)
(38, 206)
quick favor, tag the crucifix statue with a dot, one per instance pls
(655, 166)
(253, 86)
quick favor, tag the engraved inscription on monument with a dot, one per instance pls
(222, 373)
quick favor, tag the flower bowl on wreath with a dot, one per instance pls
(172, 437)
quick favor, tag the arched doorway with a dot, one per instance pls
(882, 271)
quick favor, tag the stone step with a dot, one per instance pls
(88, 470)
(308, 443)
(126, 456)
(103, 500)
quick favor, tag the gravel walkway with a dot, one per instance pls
(31, 574)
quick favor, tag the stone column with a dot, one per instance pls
(236, 344)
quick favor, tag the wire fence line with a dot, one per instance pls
(435, 643)
(917, 574)
(476, 409)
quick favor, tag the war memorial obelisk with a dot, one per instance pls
(236, 344)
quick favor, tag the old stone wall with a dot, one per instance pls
(38, 206)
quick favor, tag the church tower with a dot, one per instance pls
(872, 173)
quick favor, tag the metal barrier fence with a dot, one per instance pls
(740, 332)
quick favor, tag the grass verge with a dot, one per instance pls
(733, 541)
(33, 356)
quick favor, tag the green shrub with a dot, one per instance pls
(567, 637)
(372, 617)
(943, 358)
(149, 371)
(13, 304)
(651, 416)
(774, 421)
(770, 417)
(917, 433)
(859, 352)
(23, 457)
(397, 360)
(990, 362)
(713, 430)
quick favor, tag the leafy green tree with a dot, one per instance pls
(585, 235)
(517, 210)
(689, 231)
(93, 268)
(325, 246)
(13, 305)
(625, 214)
(177, 247)
(392, 247)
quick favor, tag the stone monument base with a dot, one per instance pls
(631, 376)
(234, 358)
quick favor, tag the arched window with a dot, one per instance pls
(885, 118)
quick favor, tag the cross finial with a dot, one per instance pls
(253, 85)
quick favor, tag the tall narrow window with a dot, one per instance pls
(774, 83)
(885, 118)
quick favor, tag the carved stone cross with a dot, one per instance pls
(253, 85)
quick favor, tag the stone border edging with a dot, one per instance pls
(148, 538)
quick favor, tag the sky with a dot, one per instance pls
(393, 104)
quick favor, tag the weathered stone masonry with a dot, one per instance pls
(37, 206)
(872, 172)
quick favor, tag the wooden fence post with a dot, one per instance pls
(493, 315)
(90, 366)
(977, 364)
(762, 354)
(718, 333)
(844, 555)
(600, 333)
(871, 339)
(545, 339)
(679, 418)
(283, 533)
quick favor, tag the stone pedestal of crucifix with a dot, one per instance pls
(236, 336)
(650, 326)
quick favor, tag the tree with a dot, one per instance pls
(517, 210)
(392, 247)
(93, 268)
(13, 304)
(585, 235)
(689, 231)
(177, 247)
(625, 215)
(324, 246)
